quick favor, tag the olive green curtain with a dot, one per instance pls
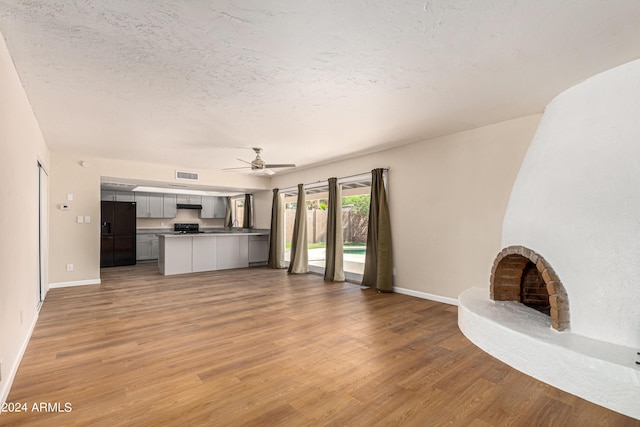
(299, 262)
(247, 220)
(334, 264)
(228, 218)
(378, 264)
(276, 235)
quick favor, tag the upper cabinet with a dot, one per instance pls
(213, 207)
(117, 196)
(107, 196)
(189, 199)
(169, 205)
(148, 205)
(155, 205)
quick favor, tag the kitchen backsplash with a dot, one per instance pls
(190, 216)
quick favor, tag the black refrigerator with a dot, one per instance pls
(118, 234)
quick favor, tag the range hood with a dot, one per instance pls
(188, 206)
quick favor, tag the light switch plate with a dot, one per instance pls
(69, 196)
(80, 219)
(87, 219)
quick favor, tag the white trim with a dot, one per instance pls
(76, 283)
(424, 295)
(8, 382)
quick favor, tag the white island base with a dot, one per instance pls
(185, 253)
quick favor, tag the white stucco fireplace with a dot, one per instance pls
(576, 206)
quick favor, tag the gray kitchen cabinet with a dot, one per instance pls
(125, 196)
(169, 205)
(117, 196)
(155, 205)
(154, 247)
(146, 247)
(213, 207)
(142, 205)
(220, 207)
(150, 205)
(189, 199)
(107, 196)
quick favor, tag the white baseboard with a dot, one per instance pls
(424, 295)
(8, 382)
(76, 283)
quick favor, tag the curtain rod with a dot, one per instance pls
(295, 187)
(358, 174)
(342, 177)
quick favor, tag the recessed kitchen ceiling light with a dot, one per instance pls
(183, 191)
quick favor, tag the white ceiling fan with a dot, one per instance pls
(259, 165)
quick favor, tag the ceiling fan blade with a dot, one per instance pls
(230, 169)
(283, 165)
(244, 161)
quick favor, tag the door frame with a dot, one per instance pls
(43, 233)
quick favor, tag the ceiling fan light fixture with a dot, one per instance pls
(258, 164)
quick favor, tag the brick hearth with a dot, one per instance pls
(507, 273)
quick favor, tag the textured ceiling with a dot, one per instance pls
(196, 84)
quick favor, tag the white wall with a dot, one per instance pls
(576, 202)
(262, 201)
(21, 147)
(447, 200)
(73, 243)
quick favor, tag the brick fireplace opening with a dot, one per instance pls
(520, 274)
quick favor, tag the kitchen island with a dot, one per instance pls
(213, 250)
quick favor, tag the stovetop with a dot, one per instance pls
(186, 228)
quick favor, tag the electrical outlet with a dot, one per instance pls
(87, 219)
(80, 219)
(69, 267)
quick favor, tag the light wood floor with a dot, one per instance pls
(260, 347)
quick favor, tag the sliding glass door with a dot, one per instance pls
(290, 206)
(356, 197)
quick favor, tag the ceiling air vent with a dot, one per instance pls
(189, 176)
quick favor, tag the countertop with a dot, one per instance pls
(211, 232)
